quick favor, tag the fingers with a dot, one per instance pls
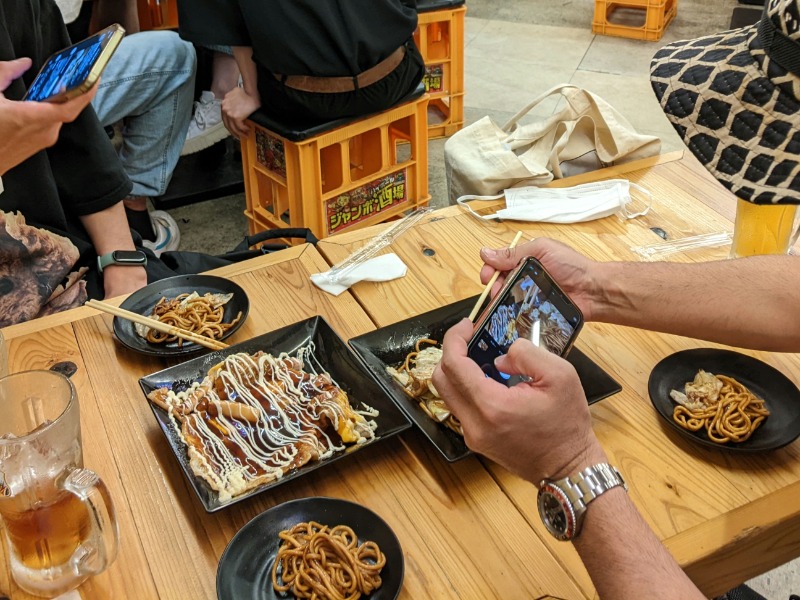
(241, 128)
(11, 70)
(554, 378)
(70, 110)
(456, 376)
(237, 127)
(504, 259)
(524, 358)
(228, 125)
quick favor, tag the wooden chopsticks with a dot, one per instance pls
(157, 325)
(489, 285)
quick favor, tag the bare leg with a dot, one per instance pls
(225, 75)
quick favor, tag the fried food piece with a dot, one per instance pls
(415, 376)
(255, 418)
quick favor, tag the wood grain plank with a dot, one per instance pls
(131, 570)
(741, 544)
(684, 491)
(446, 516)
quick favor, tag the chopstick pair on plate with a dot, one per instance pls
(189, 336)
(489, 285)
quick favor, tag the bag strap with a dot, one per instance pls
(274, 234)
(535, 102)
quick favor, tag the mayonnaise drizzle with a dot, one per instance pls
(289, 395)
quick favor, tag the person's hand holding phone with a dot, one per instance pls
(573, 272)
(537, 429)
(27, 127)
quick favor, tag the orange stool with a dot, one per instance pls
(440, 39)
(337, 176)
(636, 19)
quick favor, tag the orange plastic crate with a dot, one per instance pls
(440, 39)
(636, 19)
(346, 178)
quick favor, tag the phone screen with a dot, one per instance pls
(532, 307)
(69, 68)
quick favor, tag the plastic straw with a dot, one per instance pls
(376, 244)
(708, 240)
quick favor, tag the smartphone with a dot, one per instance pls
(530, 305)
(74, 70)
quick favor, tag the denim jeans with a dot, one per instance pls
(149, 86)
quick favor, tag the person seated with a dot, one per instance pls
(753, 152)
(61, 208)
(310, 61)
(148, 87)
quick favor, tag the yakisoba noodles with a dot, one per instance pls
(199, 314)
(725, 408)
(326, 563)
(415, 377)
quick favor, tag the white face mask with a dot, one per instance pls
(575, 204)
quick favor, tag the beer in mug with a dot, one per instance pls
(57, 517)
(762, 228)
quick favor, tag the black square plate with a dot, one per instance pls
(388, 347)
(333, 355)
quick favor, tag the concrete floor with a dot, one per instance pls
(515, 50)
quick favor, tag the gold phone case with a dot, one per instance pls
(512, 275)
(97, 68)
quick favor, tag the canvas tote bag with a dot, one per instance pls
(484, 159)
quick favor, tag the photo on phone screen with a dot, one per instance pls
(530, 306)
(74, 70)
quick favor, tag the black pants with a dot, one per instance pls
(295, 106)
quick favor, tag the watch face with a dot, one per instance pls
(129, 256)
(556, 512)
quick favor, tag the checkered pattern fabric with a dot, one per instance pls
(734, 98)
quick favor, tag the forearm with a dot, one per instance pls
(247, 68)
(108, 229)
(749, 302)
(624, 557)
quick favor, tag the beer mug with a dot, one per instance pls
(762, 228)
(57, 517)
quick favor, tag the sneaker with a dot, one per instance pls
(206, 127)
(168, 236)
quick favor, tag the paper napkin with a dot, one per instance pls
(381, 268)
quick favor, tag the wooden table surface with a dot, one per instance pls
(461, 534)
(724, 516)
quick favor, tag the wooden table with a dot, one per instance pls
(462, 536)
(725, 517)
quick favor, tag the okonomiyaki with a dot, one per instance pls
(255, 417)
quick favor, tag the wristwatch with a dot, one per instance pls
(125, 258)
(562, 503)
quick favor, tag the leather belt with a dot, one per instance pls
(332, 85)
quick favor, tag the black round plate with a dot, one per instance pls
(142, 302)
(781, 395)
(245, 569)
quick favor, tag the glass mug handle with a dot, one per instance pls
(100, 549)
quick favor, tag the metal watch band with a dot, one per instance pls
(590, 483)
